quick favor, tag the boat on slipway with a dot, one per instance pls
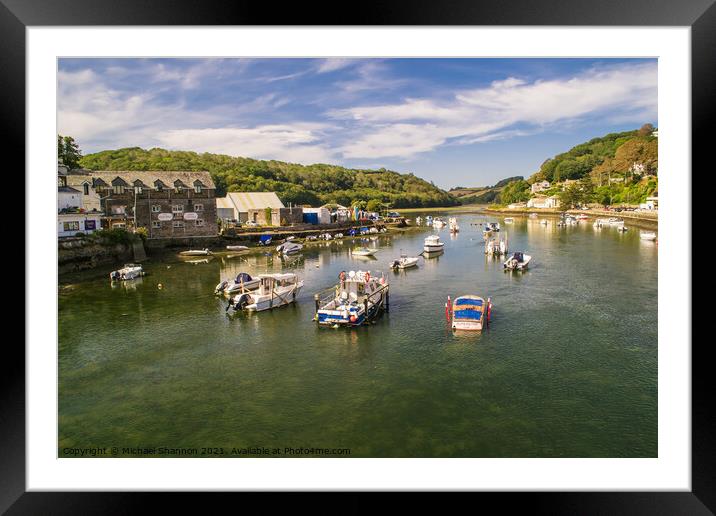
(432, 244)
(357, 299)
(468, 312)
(242, 283)
(274, 290)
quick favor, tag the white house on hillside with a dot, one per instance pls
(542, 201)
(540, 186)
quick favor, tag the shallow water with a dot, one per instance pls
(567, 368)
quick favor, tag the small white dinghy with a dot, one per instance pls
(130, 271)
(289, 248)
(517, 262)
(237, 248)
(195, 252)
(647, 235)
(363, 251)
(622, 228)
(404, 262)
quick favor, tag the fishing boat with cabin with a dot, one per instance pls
(274, 290)
(468, 312)
(432, 244)
(357, 299)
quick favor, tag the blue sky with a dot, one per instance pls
(468, 122)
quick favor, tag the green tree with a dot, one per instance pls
(68, 152)
(373, 205)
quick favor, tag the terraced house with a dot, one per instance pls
(169, 204)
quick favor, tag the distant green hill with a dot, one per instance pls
(483, 194)
(299, 184)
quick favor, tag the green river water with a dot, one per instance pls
(567, 368)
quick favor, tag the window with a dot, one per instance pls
(137, 190)
(177, 208)
(199, 222)
(119, 225)
(85, 187)
(156, 224)
(156, 208)
(178, 224)
(197, 188)
(118, 189)
(177, 189)
(71, 226)
(159, 187)
(119, 210)
(198, 207)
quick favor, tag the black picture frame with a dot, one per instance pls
(700, 15)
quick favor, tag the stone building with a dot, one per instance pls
(169, 204)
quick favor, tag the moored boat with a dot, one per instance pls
(433, 244)
(357, 299)
(404, 262)
(130, 271)
(195, 252)
(363, 251)
(647, 235)
(438, 223)
(469, 312)
(517, 261)
(454, 228)
(242, 283)
(237, 248)
(509, 220)
(289, 248)
(274, 290)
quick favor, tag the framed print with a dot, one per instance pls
(419, 250)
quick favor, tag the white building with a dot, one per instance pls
(68, 198)
(69, 224)
(540, 186)
(238, 205)
(322, 215)
(542, 201)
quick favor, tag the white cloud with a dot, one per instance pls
(333, 63)
(628, 92)
(295, 143)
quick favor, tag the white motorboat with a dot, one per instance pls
(496, 247)
(517, 261)
(363, 251)
(289, 248)
(452, 222)
(438, 223)
(237, 248)
(195, 252)
(469, 312)
(325, 236)
(647, 235)
(404, 262)
(130, 271)
(582, 216)
(433, 244)
(613, 221)
(358, 298)
(418, 221)
(509, 220)
(274, 290)
(622, 228)
(242, 283)
(373, 230)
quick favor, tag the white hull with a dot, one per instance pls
(281, 298)
(647, 235)
(196, 252)
(363, 252)
(433, 248)
(237, 248)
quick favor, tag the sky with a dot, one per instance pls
(455, 122)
